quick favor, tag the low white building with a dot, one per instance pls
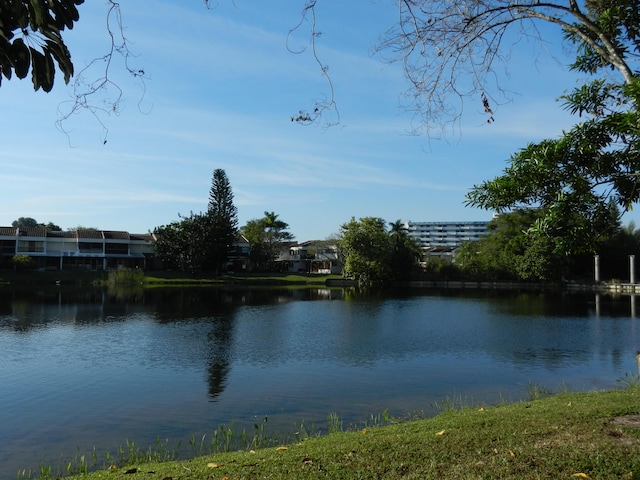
(86, 249)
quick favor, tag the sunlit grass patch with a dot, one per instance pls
(570, 435)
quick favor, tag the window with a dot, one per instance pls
(116, 248)
(90, 247)
(7, 247)
(30, 246)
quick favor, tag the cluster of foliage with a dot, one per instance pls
(22, 262)
(201, 242)
(266, 236)
(204, 242)
(31, 40)
(28, 222)
(508, 253)
(373, 255)
(511, 252)
(574, 178)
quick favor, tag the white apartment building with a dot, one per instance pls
(442, 238)
(87, 249)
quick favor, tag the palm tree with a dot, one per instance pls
(406, 252)
(398, 233)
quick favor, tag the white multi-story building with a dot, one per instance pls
(442, 238)
(79, 249)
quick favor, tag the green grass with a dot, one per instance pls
(567, 436)
(160, 278)
(177, 278)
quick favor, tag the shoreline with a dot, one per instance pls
(151, 279)
(567, 435)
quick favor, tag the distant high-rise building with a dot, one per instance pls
(442, 238)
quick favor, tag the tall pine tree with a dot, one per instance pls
(201, 242)
(222, 216)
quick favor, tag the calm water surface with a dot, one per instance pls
(88, 369)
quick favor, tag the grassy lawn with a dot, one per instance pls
(568, 436)
(80, 278)
(177, 278)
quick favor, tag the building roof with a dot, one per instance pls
(116, 235)
(61, 234)
(145, 237)
(8, 231)
(88, 233)
(80, 233)
(32, 231)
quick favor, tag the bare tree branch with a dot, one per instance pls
(98, 93)
(450, 49)
(327, 105)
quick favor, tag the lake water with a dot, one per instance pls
(85, 369)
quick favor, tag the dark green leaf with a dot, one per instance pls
(21, 58)
(62, 56)
(42, 71)
(37, 13)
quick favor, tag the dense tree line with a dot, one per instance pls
(372, 255)
(375, 253)
(204, 242)
(511, 252)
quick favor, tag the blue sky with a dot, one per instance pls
(221, 90)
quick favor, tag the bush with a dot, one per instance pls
(23, 262)
(125, 277)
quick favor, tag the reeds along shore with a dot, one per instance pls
(571, 435)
